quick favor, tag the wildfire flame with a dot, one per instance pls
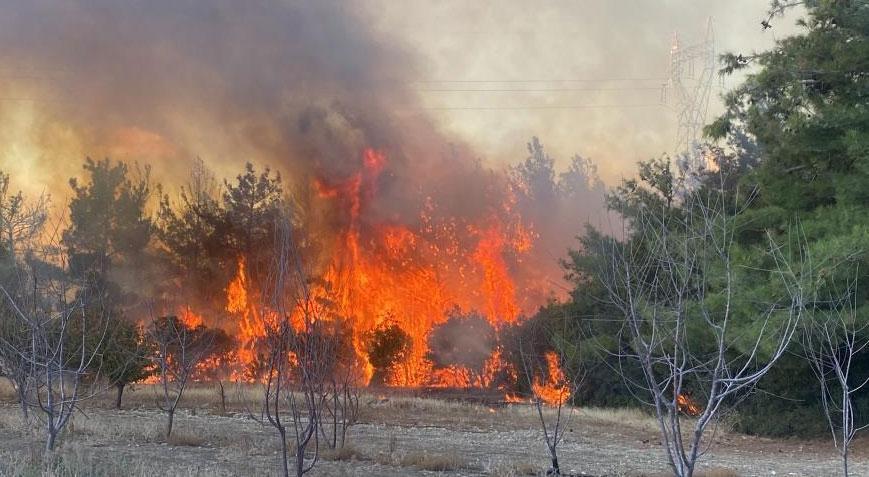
(241, 302)
(555, 391)
(687, 405)
(411, 274)
(189, 318)
(414, 276)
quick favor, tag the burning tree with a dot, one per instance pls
(412, 268)
(689, 317)
(211, 226)
(388, 348)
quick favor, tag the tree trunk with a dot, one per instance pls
(170, 419)
(555, 469)
(120, 388)
(25, 409)
(300, 460)
(284, 463)
(222, 398)
(845, 461)
(52, 437)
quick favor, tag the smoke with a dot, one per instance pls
(463, 340)
(304, 87)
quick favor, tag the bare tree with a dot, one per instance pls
(65, 326)
(341, 406)
(21, 223)
(676, 284)
(179, 350)
(832, 340)
(339, 402)
(21, 220)
(15, 365)
(297, 344)
(551, 387)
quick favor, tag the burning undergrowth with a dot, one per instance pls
(418, 302)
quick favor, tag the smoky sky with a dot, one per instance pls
(619, 49)
(301, 83)
(302, 86)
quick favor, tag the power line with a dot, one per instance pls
(539, 80)
(552, 107)
(537, 90)
(33, 100)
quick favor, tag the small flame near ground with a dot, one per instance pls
(688, 406)
(554, 390)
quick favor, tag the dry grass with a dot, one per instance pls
(397, 436)
(74, 460)
(631, 417)
(708, 472)
(7, 392)
(717, 472)
(242, 398)
(346, 453)
(184, 438)
(510, 469)
(438, 462)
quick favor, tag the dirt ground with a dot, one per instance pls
(396, 436)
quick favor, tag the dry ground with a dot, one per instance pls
(397, 436)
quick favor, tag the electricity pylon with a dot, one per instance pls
(690, 76)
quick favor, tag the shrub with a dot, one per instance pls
(387, 345)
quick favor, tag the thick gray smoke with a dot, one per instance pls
(302, 86)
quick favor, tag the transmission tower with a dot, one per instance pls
(691, 73)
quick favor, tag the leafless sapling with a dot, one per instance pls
(65, 324)
(676, 284)
(340, 398)
(179, 350)
(834, 337)
(552, 375)
(22, 221)
(296, 345)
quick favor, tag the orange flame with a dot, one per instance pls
(555, 391)
(412, 274)
(189, 318)
(687, 405)
(240, 302)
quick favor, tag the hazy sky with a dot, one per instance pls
(163, 81)
(564, 39)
